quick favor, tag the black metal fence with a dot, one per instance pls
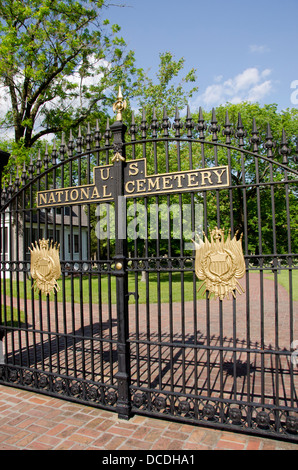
(130, 328)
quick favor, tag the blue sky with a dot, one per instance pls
(242, 50)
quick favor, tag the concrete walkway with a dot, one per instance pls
(37, 422)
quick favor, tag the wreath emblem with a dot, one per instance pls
(45, 266)
(220, 263)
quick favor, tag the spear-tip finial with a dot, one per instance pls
(120, 105)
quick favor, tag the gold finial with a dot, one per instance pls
(119, 106)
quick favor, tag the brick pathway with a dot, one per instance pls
(32, 421)
(36, 422)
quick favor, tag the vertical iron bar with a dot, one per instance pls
(56, 316)
(17, 274)
(100, 319)
(4, 157)
(276, 400)
(33, 320)
(155, 126)
(136, 274)
(47, 237)
(63, 257)
(171, 319)
(208, 335)
(39, 236)
(4, 242)
(290, 262)
(260, 252)
(240, 134)
(182, 302)
(24, 249)
(291, 311)
(214, 128)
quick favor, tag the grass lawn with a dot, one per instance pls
(81, 287)
(283, 279)
(12, 320)
(107, 286)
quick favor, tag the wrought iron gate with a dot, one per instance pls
(130, 328)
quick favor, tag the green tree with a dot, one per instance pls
(168, 90)
(150, 97)
(60, 61)
(266, 203)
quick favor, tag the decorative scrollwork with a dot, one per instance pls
(111, 397)
(209, 412)
(184, 407)
(235, 415)
(43, 381)
(292, 424)
(28, 378)
(117, 149)
(263, 419)
(13, 375)
(59, 385)
(75, 389)
(139, 399)
(160, 403)
(92, 394)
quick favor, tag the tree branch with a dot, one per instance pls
(40, 134)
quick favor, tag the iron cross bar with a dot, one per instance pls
(136, 184)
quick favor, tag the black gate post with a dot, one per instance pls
(123, 375)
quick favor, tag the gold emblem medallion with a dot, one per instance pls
(219, 263)
(45, 266)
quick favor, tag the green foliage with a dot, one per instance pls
(269, 203)
(166, 92)
(60, 61)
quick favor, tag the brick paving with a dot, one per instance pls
(32, 421)
(37, 422)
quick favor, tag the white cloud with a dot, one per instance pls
(259, 49)
(259, 91)
(218, 78)
(250, 85)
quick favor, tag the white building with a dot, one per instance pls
(70, 220)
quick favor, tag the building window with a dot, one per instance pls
(61, 210)
(76, 243)
(76, 246)
(55, 238)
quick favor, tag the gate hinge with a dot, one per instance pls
(136, 296)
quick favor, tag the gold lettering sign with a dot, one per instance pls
(220, 263)
(99, 191)
(136, 183)
(45, 266)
